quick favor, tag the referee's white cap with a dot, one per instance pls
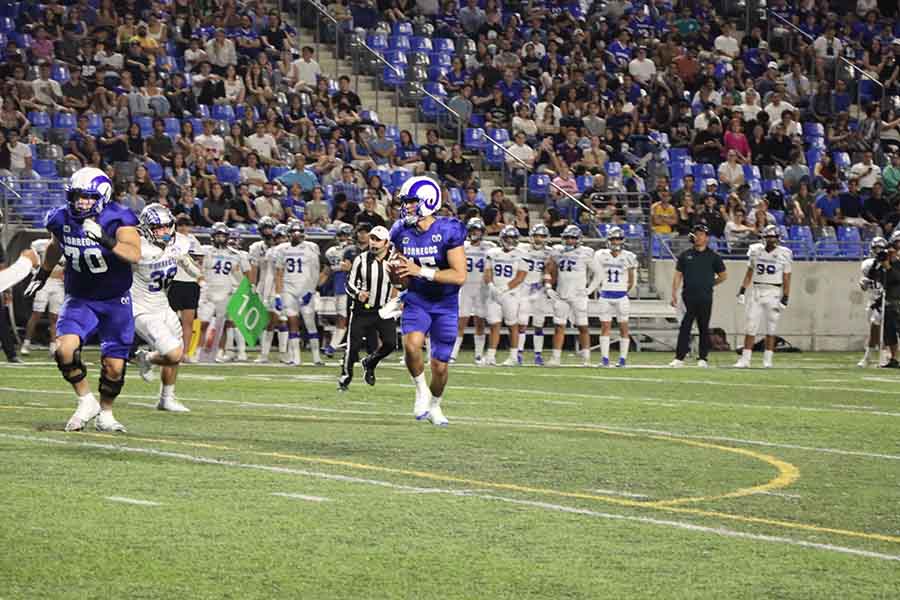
(379, 233)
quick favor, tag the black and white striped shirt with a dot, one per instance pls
(367, 273)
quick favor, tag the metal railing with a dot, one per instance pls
(666, 247)
(838, 60)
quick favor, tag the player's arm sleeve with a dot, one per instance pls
(788, 262)
(351, 277)
(457, 235)
(186, 263)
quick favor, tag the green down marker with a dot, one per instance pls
(248, 313)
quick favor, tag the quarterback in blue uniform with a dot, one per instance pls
(435, 260)
(100, 242)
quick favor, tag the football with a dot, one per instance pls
(395, 259)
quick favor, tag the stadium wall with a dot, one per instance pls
(827, 309)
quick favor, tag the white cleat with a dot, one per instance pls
(172, 405)
(510, 362)
(107, 422)
(741, 364)
(422, 407)
(189, 359)
(489, 362)
(702, 364)
(243, 357)
(676, 363)
(554, 362)
(144, 365)
(862, 364)
(478, 361)
(224, 357)
(25, 350)
(262, 360)
(767, 365)
(293, 363)
(436, 415)
(86, 411)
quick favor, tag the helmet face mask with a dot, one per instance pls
(615, 238)
(571, 237)
(539, 235)
(280, 233)
(771, 236)
(266, 228)
(475, 229)
(220, 235)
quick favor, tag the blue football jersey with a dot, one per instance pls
(92, 271)
(429, 249)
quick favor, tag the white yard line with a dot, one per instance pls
(618, 493)
(717, 531)
(300, 497)
(134, 501)
(780, 495)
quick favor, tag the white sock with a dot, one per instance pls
(338, 337)
(514, 354)
(265, 344)
(522, 340)
(586, 355)
(283, 342)
(624, 344)
(492, 354)
(229, 339)
(557, 354)
(166, 392)
(89, 397)
(421, 384)
(26, 342)
(314, 348)
(866, 355)
(767, 356)
(52, 347)
(456, 346)
(479, 345)
(241, 343)
(745, 355)
(436, 400)
(294, 344)
(538, 341)
(604, 346)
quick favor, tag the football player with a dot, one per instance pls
(297, 275)
(769, 270)
(100, 243)
(616, 268)
(334, 259)
(49, 299)
(472, 294)
(504, 273)
(162, 255)
(234, 338)
(534, 305)
(262, 276)
(434, 258)
(572, 266)
(878, 249)
(221, 264)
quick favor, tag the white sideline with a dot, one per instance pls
(618, 493)
(719, 531)
(125, 500)
(300, 497)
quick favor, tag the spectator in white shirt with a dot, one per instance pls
(264, 145)
(212, 143)
(828, 48)
(221, 52)
(702, 121)
(48, 92)
(750, 108)
(252, 175)
(792, 128)
(867, 172)
(726, 45)
(731, 172)
(194, 55)
(525, 154)
(306, 71)
(776, 107)
(642, 68)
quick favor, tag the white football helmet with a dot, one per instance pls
(425, 192)
(154, 217)
(88, 182)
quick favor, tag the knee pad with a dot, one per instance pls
(74, 371)
(111, 388)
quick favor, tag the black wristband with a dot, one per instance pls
(741, 291)
(784, 300)
(42, 274)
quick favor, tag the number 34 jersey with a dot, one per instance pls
(153, 274)
(769, 267)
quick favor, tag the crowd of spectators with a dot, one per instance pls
(217, 111)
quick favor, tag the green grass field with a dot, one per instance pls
(563, 483)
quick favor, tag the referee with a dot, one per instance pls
(700, 269)
(368, 288)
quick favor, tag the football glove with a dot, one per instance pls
(307, 297)
(741, 298)
(552, 295)
(93, 230)
(279, 304)
(784, 302)
(37, 282)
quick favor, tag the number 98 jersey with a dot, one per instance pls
(769, 267)
(153, 274)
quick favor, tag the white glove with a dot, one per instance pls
(551, 294)
(494, 292)
(92, 229)
(392, 309)
(741, 299)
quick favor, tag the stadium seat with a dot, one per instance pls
(841, 160)
(46, 168)
(421, 44)
(435, 88)
(751, 172)
(538, 186)
(173, 127)
(377, 42)
(703, 171)
(228, 174)
(59, 73)
(95, 124)
(399, 177)
(584, 182)
(494, 155)
(146, 125)
(223, 112)
(276, 172)
(501, 136)
(7, 24)
(39, 119)
(396, 57)
(154, 170)
(402, 28)
(473, 139)
(392, 132)
(779, 216)
(435, 73)
(850, 242)
(429, 109)
(399, 42)
(443, 45)
(393, 76)
(63, 120)
(614, 170)
(441, 59)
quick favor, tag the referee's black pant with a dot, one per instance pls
(7, 335)
(369, 326)
(701, 310)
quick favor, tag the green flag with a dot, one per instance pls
(248, 313)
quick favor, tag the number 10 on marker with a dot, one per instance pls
(248, 313)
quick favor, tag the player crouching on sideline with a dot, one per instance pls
(100, 243)
(434, 258)
(472, 293)
(504, 273)
(769, 270)
(162, 254)
(615, 268)
(878, 251)
(570, 266)
(298, 273)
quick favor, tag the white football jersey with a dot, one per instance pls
(873, 288)
(475, 259)
(194, 249)
(300, 265)
(769, 267)
(334, 255)
(238, 275)
(153, 274)
(220, 268)
(39, 247)
(573, 267)
(535, 260)
(613, 270)
(264, 261)
(504, 265)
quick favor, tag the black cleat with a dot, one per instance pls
(343, 384)
(14, 359)
(369, 373)
(891, 364)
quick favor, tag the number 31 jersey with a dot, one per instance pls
(154, 273)
(769, 267)
(300, 265)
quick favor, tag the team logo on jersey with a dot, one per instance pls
(125, 300)
(404, 241)
(436, 237)
(67, 229)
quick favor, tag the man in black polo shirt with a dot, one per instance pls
(7, 336)
(699, 269)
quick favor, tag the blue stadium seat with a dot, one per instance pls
(474, 139)
(767, 185)
(800, 241)
(173, 127)
(703, 171)
(779, 216)
(223, 112)
(377, 41)
(402, 28)
(538, 186)
(441, 59)
(494, 156)
(613, 169)
(811, 129)
(584, 182)
(39, 119)
(435, 88)
(154, 170)
(59, 73)
(399, 42)
(7, 24)
(276, 172)
(63, 120)
(634, 231)
(95, 124)
(146, 125)
(368, 115)
(436, 72)
(399, 177)
(390, 76)
(868, 91)
(751, 172)
(392, 132)
(501, 136)
(456, 196)
(678, 155)
(203, 112)
(421, 44)
(228, 174)
(477, 120)
(841, 160)
(429, 109)
(851, 242)
(396, 57)
(46, 168)
(443, 45)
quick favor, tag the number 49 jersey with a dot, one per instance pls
(769, 267)
(475, 258)
(572, 269)
(154, 273)
(613, 271)
(219, 269)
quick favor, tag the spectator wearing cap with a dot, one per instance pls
(221, 52)
(768, 82)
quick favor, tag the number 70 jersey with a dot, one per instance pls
(153, 274)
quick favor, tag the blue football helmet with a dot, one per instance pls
(153, 217)
(425, 192)
(88, 182)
